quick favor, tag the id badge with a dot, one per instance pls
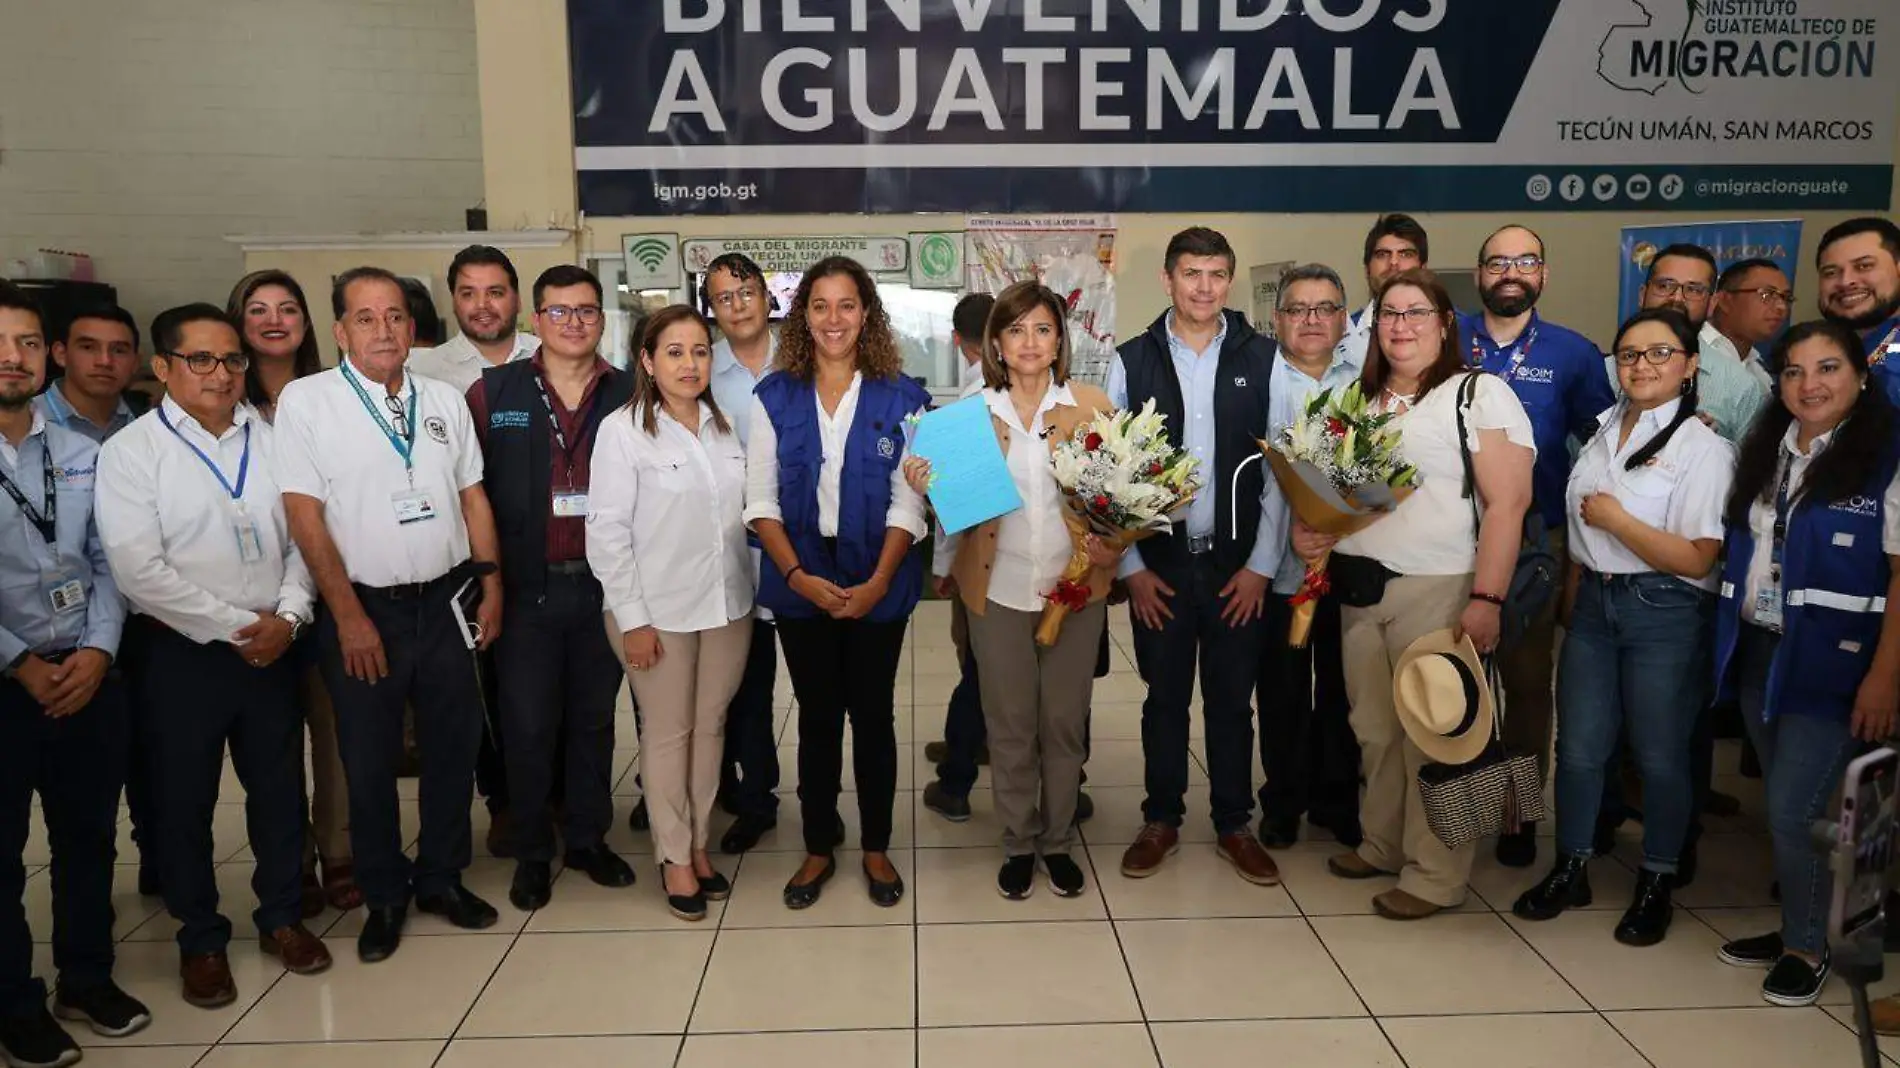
(1768, 606)
(65, 592)
(250, 541)
(412, 506)
(570, 504)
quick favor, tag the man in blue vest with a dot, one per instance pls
(559, 676)
(1199, 591)
(1558, 374)
(64, 733)
(1859, 262)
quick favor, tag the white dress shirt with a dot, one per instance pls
(459, 363)
(1761, 514)
(332, 448)
(171, 530)
(1032, 542)
(906, 510)
(1431, 533)
(969, 376)
(664, 530)
(1682, 490)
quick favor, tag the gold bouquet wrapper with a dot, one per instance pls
(1079, 572)
(1325, 509)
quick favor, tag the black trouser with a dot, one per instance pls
(1306, 743)
(77, 766)
(844, 668)
(965, 733)
(1229, 662)
(432, 669)
(491, 759)
(560, 677)
(139, 803)
(748, 773)
(194, 699)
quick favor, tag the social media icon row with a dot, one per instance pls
(1604, 187)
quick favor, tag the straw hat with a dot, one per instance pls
(1443, 700)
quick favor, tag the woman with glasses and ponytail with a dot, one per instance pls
(1804, 634)
(1644, 510)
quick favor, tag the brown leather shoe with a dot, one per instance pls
(1352, 866)
(339, 886)
(302, 952)
(1396, 904)
(1156, 843)
(206, 978)
(1249, 858)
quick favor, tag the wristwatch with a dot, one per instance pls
(296, 623)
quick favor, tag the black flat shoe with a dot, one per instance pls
(886, 895)
(689, 907)
(382, 933)
(1519, 849)
(460, 908)
(1566, 887)
(805, 895)
(638, 819)
(716, 887)
(1647, 919)
(602, 865)
(1279, 833)
(744, 834)
(1084, 808)
(533, 885)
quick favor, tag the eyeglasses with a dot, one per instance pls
(1309, 312)
(584, 314)
(738, 297)
(202, 363)
(1413, 316)
(1500, 264)
(1669, 287)
(1655, 354)
(1769, 295)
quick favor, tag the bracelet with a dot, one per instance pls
(796, 568)
(1487, 598)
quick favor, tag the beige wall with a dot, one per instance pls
(143, 131)
(538, 185)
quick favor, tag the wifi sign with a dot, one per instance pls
(651, 261)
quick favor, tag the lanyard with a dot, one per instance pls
(401, 438)
(1880, 351)
(244, 463)
(46, 523)
(554, 422)
(1518, 355)
(1781, 523)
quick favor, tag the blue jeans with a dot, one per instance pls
(1802, 760)
(1636, 657)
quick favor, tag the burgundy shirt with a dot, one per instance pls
(567, 536)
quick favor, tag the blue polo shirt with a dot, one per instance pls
(1558, 375)
(1883, 358)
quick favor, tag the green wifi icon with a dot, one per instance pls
(650, 252)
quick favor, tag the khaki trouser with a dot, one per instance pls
(683, 699)
(1036, 707)
(329, 835)
(1529, 675)
(1392, 814)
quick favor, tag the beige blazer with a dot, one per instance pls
(976, 547)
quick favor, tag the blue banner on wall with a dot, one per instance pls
(1771, 239)
(756, 106)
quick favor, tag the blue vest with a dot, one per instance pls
(1834, 575)
(873, 448)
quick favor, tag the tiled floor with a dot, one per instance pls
(1190, 969)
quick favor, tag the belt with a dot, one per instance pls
(1199, 546)
(569, 567)
(404, 591)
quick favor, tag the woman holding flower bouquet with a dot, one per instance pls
(836, 519)
(1423, 568)
(1035, 698)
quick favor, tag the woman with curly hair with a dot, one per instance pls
(828, 502)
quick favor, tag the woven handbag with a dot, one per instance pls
(1494, 793)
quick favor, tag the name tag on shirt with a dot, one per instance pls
(570, 504)
(249, 539)
(412, 506)
(65, 593)
(1844, 540)
(1768, 605)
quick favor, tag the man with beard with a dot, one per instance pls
(1395, 243)
(1682, 277)
(1558, 375)
(1752, 300)
(1860, 289)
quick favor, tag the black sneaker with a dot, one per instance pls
(105, 1008)
(1018, 878)
(1794, 983)
(1084, 807)
(1761, 951)
(1065, 876)
(946, 804)
(36, 1041)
